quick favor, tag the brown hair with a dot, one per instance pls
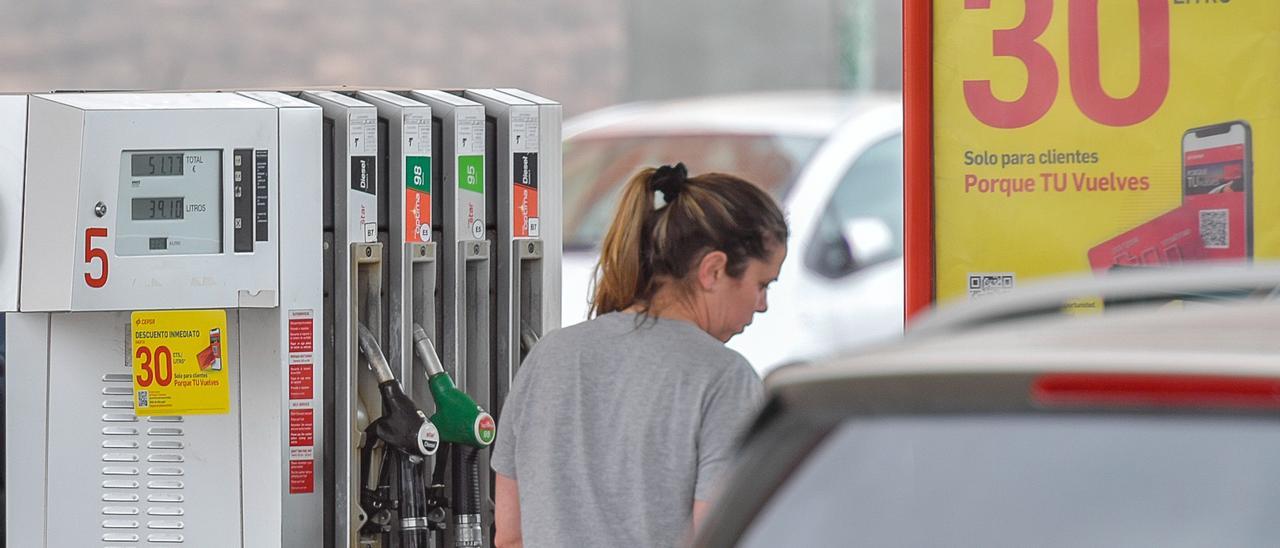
(647, 246)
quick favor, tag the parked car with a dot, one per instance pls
(1008, 423)
(833, 160)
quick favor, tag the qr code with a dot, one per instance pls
(990, 283)
(144, 399)
(1213, 228)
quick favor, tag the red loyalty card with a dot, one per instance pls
(1169, 239)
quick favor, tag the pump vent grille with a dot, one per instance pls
(131, 471)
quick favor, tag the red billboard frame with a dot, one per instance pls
(917, 96)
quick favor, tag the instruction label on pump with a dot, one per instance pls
(363, 133)
(302, 402)
(181, 362)
(470, 147)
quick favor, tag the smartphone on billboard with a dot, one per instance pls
(1217, 182)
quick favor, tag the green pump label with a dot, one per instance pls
(471, 173)
(417, 173)
(486, 429)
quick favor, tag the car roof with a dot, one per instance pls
(814, 113)
(1220, 337)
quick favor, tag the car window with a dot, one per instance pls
(871, 189)
(1033, 480)
(596, 168)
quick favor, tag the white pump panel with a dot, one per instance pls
(149, 201)
(142, 208)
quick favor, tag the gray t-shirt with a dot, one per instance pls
(614, 426)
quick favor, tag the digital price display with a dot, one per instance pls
(157, 165)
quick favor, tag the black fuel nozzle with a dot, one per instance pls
(528, 339)
(402, 425)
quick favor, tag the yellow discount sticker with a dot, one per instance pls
(181, 362)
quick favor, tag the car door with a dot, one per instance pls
(853, 257)
(812, 314)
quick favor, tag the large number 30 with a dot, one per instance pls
(1086, 86)
(157, 366)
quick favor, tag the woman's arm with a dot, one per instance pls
(506, 513)
(700, 508)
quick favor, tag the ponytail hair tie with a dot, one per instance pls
(668, 181)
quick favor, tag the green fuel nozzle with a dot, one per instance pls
(457, 416)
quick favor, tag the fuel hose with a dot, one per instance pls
(466, 493)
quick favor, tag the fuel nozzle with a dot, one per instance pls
(528, 339)
(402, 424)
(457, 416)
(406, 429)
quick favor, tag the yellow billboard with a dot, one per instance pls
(1098, 135)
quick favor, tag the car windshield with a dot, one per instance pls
(1033, 480)
(596, 168)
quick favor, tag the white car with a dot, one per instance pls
(1005, 422)
(833, 160)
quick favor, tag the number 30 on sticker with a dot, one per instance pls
(156, 365)
(1023, 43)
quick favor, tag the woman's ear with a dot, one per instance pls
(711, 269)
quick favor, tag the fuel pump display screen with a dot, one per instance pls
(157, 209)
(170, 202)
(153, 165)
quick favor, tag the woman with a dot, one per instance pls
(617, 429)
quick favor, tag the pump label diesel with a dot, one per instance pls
(181, 362)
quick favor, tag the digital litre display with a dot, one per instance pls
(158, 209)
(167, 164)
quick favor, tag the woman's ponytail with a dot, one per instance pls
(619, 272)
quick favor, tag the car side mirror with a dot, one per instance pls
(869, 240)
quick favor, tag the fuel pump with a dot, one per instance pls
(458, 150)
(550, 189)
(408, 437)
(468, 428)
(404, 213)
(392, 435)
(250, 288)
(161, 288)
(302, 293)
(353, 287)
(521, 194)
